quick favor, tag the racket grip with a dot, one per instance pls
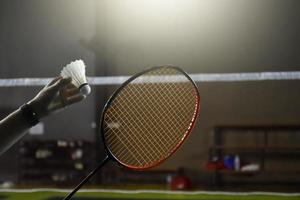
(92, 173)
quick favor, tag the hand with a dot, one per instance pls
(58, 94)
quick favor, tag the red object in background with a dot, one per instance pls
(217, 165)
(181, 183)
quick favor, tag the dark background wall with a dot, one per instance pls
(37, 40)
(122, 37)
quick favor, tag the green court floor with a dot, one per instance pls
(140, 196)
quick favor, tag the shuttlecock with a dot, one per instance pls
(76, 70)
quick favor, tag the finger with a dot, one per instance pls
(54, 80)
(75, 98)
(63, 97)
(72, 91)
(71, 86)
(60, 84)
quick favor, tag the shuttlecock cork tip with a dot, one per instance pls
(85, 89)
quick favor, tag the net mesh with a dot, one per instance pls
(150, 117)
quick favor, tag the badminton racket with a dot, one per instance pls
(147, 119)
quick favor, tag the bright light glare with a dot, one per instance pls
(158, 4)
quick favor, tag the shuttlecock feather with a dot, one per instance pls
(76, 70)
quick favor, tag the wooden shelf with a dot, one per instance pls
(58, 163)
(263, 153)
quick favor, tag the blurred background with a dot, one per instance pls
(248, 133)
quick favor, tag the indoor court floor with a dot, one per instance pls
(125, 195)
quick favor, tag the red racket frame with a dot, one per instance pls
(115, 94)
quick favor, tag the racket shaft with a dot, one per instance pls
(70, 195)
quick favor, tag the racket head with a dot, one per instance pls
(112, 126)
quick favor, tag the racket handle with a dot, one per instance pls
(70, 195)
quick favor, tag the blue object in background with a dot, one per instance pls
(229, 162)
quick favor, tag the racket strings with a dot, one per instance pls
(151, 158)
(145, 140)
(142, 141)
(150, 118)
(180, 112)
(128, 151)
(151, 124)
(130, 143)
(134, 128)
(119, 148)
(146, 121)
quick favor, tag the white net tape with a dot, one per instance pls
(145, 192)
(212, 77)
